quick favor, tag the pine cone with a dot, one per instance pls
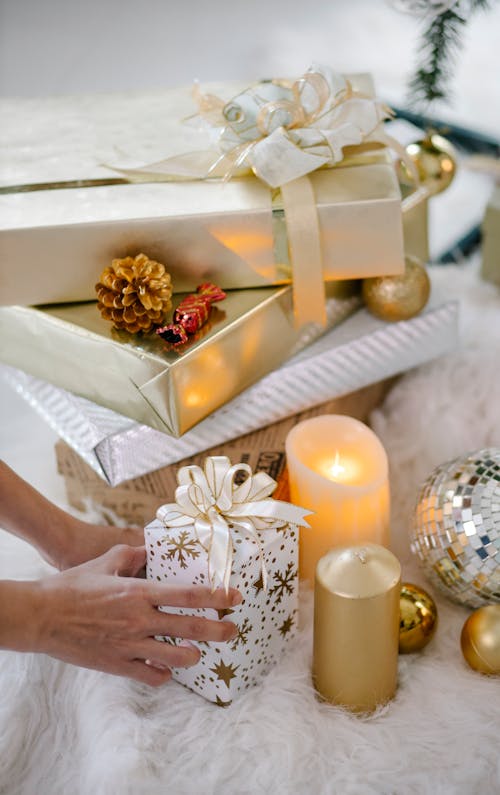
(134, 293)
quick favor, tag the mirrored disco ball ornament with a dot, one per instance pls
(456, 528)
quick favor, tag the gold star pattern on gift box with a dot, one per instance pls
(225, 672)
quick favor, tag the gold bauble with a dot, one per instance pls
(418, 620)
(398, 297)
(436, 163)
(480, 640)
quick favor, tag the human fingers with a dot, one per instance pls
(192, 596)
(192, 627)
(147, 673)
(133, 536)
(121, 560)
(129, 560)
(166, 655)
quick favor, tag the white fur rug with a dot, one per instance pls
(68, 731)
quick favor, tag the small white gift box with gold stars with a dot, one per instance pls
(222, 531)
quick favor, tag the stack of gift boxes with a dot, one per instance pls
(129, 408)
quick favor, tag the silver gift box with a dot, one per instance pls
(361, 351)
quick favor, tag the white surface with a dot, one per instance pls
(64, 46)
(27, 445)
(66, 730)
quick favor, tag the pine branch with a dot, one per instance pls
(438, 49)
(440, 44)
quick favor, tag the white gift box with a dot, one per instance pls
(361, 351)
(221, 531)
(266, 619)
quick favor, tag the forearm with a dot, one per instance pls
(62, 539)
(20, 615)
(27, 514)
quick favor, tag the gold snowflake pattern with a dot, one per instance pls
(286, 626)
(242, 636)
(182, 549)
(284, 583)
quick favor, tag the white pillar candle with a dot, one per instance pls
(338, 469)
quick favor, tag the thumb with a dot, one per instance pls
(124, 561)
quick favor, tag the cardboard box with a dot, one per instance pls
(136, 501)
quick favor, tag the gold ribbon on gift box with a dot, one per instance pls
(211, 500)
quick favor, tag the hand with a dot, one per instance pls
(100, 616)
(61, 539)
(79, 542)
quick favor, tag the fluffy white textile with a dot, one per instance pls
(67, 730)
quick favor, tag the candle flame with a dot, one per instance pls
(346, 472)
(336, 469)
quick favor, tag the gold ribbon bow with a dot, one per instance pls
(211, 500)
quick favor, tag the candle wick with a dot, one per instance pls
(361, 555)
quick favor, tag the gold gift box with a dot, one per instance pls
(416, 222)
(249, 334)
(236, 239)
(490, 268)
(232, 234)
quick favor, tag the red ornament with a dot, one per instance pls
(191, 314)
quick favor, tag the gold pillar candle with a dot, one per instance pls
(338, 469)
(356, 626)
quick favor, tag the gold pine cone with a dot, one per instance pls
(134, 293)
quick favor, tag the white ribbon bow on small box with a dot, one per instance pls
(211, 501)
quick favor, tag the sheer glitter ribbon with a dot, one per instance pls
(211, 500)
(282, 131)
